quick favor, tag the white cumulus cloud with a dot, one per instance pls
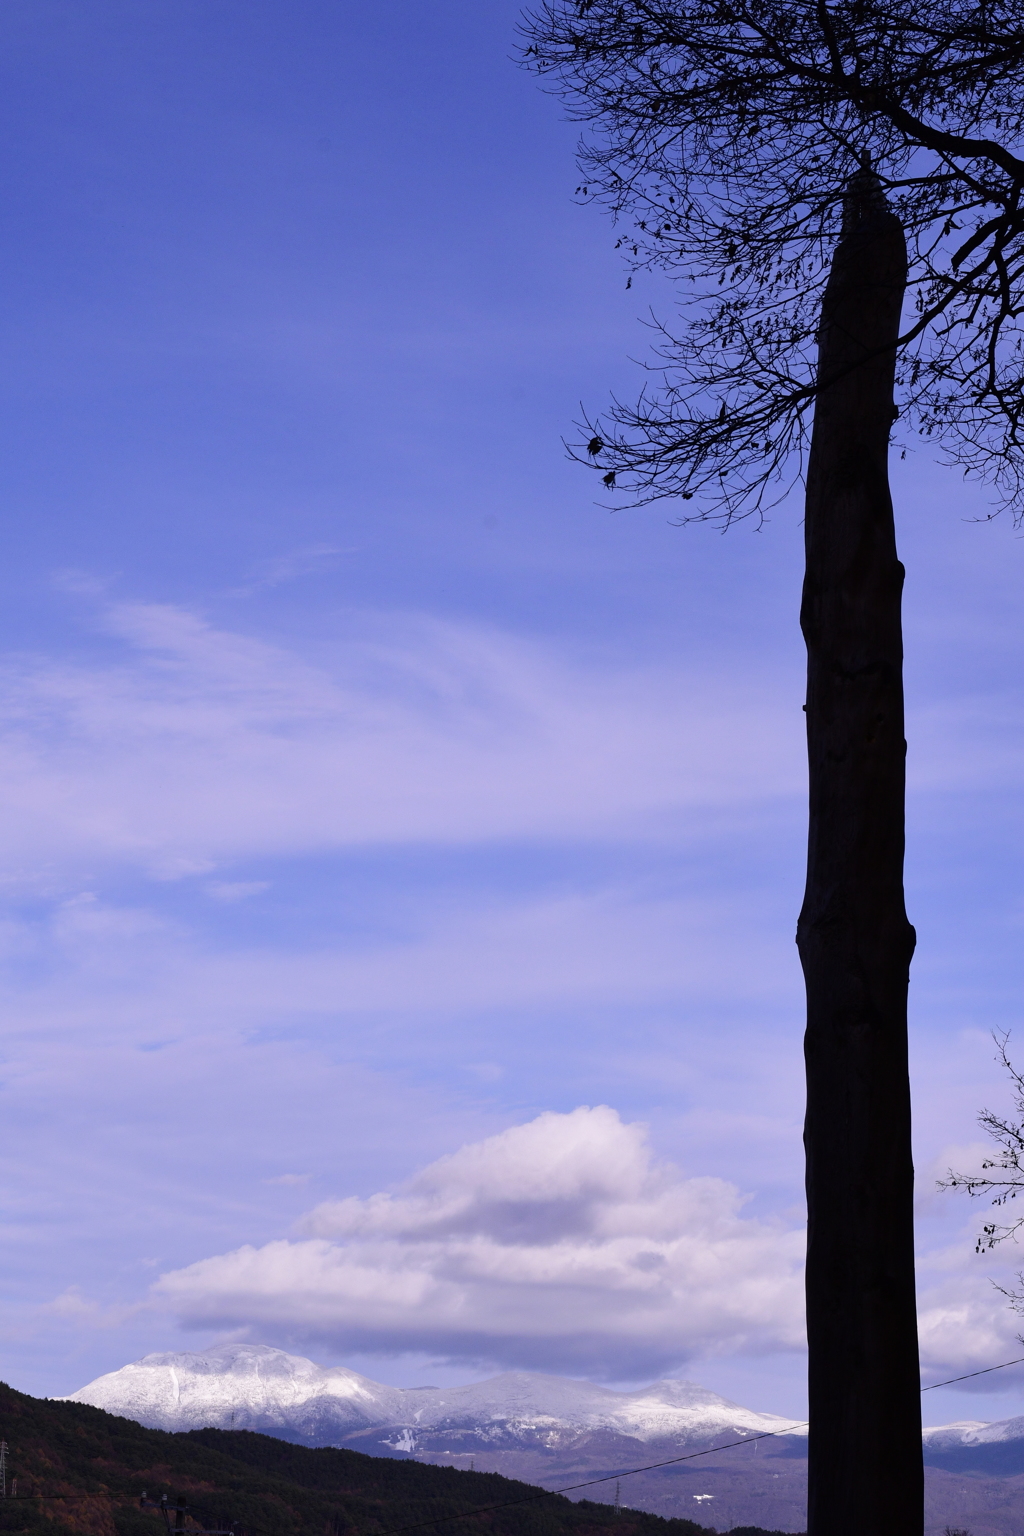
(560, 1244)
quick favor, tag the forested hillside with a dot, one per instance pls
(77, 1468)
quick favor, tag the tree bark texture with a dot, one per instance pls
(865, 1467)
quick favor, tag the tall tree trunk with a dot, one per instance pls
(866, 1476)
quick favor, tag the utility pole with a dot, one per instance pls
(180, 1509)
(3, 1469)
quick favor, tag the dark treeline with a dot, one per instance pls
(264, 1486)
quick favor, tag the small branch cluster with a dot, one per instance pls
(1001, 1177)
(721, 136)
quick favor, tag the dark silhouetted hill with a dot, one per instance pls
(78, 1468)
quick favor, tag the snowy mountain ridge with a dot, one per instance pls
(552, 1430)
(252, 1386)
(973, 1432)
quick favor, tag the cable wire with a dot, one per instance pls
(985, 1372)
(549, 1493)
(770, 1434)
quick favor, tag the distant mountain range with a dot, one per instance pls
(250, 1386)
(554, 1431)
(82, 1472)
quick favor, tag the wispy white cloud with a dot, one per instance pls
(195, 746)
(104, 970)
(236, 890)
(199, 745)
(560, 1243)
(71, 1306)
(310, 560)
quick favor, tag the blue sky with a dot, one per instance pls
(374, 794)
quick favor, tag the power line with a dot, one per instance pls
(985, 1372)
(770, 1434)
(550, 1493)
(101, 1493)
(483, 1509)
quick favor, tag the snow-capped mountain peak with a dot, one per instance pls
(235, 1384)
(253, 1386)
(550, 1430)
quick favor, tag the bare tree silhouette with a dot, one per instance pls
(720, 134)
(799, 168)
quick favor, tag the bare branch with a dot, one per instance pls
(1000, 1177)
(721, 134)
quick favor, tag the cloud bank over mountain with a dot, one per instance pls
(183, 754)
(559, 1243)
